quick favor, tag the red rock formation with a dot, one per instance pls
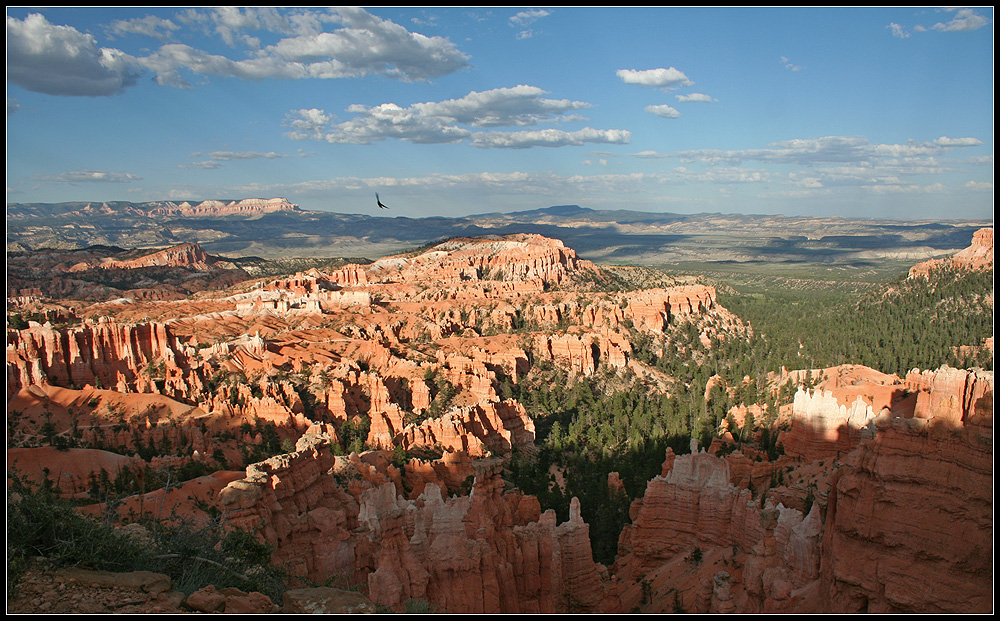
(478, 430)
(914, 502)
(908, 495)
(582, 353)
(184, 255)
(129, 357)
(653, 309)
(978, 256)
(521, 258)
(318, 356)
(485, 552)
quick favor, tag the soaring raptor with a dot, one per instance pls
(381, 206)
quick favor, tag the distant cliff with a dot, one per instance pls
(277, 228)
(246, 207)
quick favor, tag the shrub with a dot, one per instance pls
(39, 524)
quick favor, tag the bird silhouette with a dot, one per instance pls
(381, 206)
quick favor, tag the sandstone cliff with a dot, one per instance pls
(892, 496)
(979, 255)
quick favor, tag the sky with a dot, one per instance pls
(452, 111)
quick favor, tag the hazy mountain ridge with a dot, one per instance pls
(602, 235)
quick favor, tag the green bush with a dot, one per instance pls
(39, 524)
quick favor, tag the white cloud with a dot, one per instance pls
(225, 156)
(898, 31)
(827, 150)
(392, 121)
(307, 123)
(980, 160)
(826, 163)
(60, 60)
(525, 18)
(521, 105)
(550, 138)
(90, 176)
(789, 64)
(984, 186)
(695, 97)
(661, 78)
(721, 175)
(913, 188)
(965, 20)
(370, 45)
(366, 45)
(207, 165)
(449, 121)
(944, 141)
(663, 110)
(150, 26)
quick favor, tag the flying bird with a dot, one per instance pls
(381, 206)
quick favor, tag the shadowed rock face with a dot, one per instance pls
(485, 552)
(895, 495)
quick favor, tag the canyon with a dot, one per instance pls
(361, 421)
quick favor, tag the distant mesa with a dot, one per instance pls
(245, 207)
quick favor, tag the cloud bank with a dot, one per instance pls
(60, 60)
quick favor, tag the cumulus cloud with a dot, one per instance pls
(663, 110)
(447, 121)
(701, 97)
(965, 20)
(944, 141)
(661, 78)
(526, 18)
(369, 45)
(307, 123)
(898, 31)
(501, 107)
(150, 26)
(391, 121)
(60, 60)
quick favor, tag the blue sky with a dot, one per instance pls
(871, 112)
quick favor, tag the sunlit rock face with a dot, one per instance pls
(978, 256)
